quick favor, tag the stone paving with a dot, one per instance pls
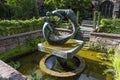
(9, 73)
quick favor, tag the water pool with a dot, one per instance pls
(94, 67)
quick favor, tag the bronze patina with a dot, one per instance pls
(49, 32)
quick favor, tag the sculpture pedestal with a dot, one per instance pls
(66, 51)
(63, 63)
(48, 71)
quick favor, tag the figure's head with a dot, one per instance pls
(48, 13)
(45, 19)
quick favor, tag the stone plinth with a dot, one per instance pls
(66, 51)
(48, 73)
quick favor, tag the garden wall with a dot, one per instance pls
(82, 34)
(12, 41)
(105, 39)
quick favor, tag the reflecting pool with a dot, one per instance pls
(94, 67)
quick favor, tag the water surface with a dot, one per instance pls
(94, 67)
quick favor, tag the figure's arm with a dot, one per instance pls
(49, 27)
(58, 14)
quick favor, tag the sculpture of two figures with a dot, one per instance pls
(50, 34)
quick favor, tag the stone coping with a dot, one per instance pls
(66, 51)
(105, 34)
(66, 46)
(73, 73)
(63, 29)
(31, 32)
(9, 73)
(20, 34)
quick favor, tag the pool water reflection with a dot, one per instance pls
(94, 70)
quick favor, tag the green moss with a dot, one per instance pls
(15, 52)
(30, 46)
(30, 63)
(92, 55)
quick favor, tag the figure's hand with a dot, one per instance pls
(48, 13)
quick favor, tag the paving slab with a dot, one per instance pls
(7, 72)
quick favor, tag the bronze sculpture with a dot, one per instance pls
(49, 32)
(61, 63)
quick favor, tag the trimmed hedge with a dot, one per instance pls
(110, 26)
(9, 27)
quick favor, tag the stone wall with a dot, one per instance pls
(108, 40)
(10, 42)
(105, 39)
(84, 33)
(116, 8)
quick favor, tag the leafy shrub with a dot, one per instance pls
(97, 47)
(110, 26)
(116, 65)
(23, 9)
(78, 5)
(9, 27)
(34, 76)
(15, 64)
(101, 47)
(105, 57)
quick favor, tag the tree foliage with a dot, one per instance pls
(23, 9)
(4, 10)
(83, 6)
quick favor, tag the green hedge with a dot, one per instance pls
(9, 27)
(110, 26)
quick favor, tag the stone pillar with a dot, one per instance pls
(96, 4)
(116, 9)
